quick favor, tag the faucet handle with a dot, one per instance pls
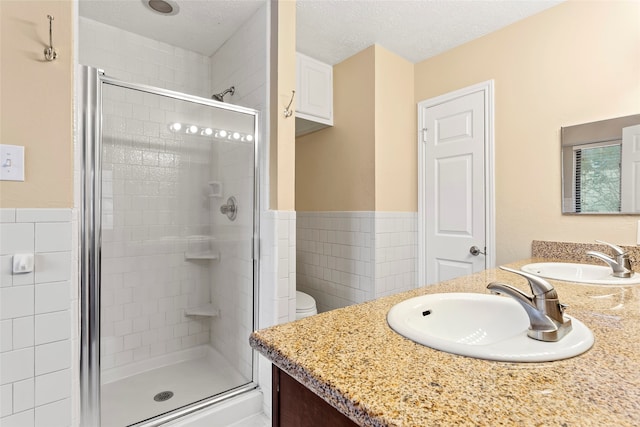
(538, 285)
(617, 249)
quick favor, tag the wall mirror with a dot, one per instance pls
(601, 167)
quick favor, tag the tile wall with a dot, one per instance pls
(277, 252)
(157, 187)
(277, 282)
(36, 311)
(137, 59)
(150, 174)
(231, 276)
(241, 62)
(346, 258)
(335, 257)
(396, 252)
(188, 282)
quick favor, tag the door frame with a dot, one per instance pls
(487, 87)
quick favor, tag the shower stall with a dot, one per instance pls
(168, 251)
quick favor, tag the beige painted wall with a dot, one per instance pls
(573, 63)
(335, 166)
(396, 149)
(367, 160)
(36, 102)
(283, 80)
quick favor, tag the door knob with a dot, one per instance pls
(475, 251)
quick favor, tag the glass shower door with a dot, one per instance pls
(176, 234)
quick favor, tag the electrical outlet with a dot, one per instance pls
(11, 163)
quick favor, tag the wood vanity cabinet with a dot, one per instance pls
(294, 405)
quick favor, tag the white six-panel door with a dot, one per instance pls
(453, 187)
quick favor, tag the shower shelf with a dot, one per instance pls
(201, 255)
(216, 189)
(202, 310)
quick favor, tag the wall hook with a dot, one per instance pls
(50, 53)
(288, 112)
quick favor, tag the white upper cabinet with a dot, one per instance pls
(314, 90)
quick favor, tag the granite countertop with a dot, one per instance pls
(355, 362)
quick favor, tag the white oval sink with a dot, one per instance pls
(579, 273)
(483, 326)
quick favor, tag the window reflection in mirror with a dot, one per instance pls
(601, 167)
(597, 175)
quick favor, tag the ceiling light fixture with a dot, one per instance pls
(164, 7)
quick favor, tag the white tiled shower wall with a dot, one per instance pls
(37, 338)
(241, 62)
(137, 59)
(232, 278)
(153, 183)
(346, 258)
(158, 183)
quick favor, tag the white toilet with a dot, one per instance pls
(305, 305)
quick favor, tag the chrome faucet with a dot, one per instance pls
(546, 319)
(621, 264)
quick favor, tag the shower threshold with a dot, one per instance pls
(135, 398)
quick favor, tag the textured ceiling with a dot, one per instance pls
(333, 30)
(200, 26)
(328, 30)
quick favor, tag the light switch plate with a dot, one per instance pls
(11, 162)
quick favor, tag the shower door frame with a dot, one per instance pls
(90, 228)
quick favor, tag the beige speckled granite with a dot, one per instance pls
(355, 362)
(577, 252)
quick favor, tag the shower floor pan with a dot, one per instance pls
(139, 397)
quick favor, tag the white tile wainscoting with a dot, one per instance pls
(277, 297)
(346, 258)
(38, 339)
(396, 252)
(39, 325)
(36, 317)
